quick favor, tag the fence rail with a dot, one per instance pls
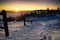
(1, 27)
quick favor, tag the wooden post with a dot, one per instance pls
(5, 23)
(24, 21)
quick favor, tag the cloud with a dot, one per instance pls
(57, 2)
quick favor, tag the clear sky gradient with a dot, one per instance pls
(17, 5)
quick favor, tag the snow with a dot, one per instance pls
(33, 31)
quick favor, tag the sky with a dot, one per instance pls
(18, 5)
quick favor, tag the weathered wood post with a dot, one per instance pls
(5, 23)
(24, 20)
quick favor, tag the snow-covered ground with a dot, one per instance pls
(45, 26)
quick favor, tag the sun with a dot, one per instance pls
(17, 9)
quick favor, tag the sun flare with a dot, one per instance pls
(17, 9)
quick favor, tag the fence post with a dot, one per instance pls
(5, 23)
(24, 21)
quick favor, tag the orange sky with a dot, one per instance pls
(15, 6)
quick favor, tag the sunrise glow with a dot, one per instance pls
(27, 7)
(20, 6)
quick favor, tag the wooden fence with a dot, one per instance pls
(3, 13)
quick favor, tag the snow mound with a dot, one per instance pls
(35, 31)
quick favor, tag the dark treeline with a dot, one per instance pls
(43, 13)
